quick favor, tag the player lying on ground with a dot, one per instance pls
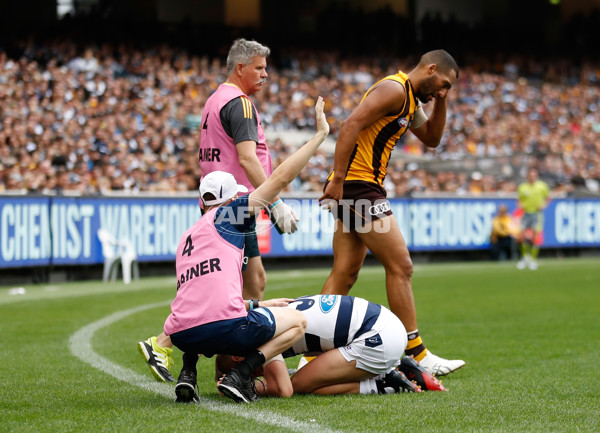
(360, 348)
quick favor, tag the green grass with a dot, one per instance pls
(530, 339)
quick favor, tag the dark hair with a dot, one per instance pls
(444, 61)
(223, 365)
(208, 197)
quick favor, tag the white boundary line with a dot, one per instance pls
(80, 344)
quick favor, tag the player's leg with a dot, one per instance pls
(187, 385)
(270, 330)
(329, 373)
(290, 325)
(536, 240)
(529, 222)
(526, 245)
(348, 256)
(385, 241)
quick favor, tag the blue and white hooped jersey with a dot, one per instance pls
(333, 321)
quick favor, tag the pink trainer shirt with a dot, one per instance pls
(217, 149)
(209, 278)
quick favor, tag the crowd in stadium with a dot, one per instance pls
(114, 118)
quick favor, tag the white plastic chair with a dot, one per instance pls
(115, 251)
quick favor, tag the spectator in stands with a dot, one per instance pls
(147, 104)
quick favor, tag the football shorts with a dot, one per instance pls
(379, 350)
(362, 203)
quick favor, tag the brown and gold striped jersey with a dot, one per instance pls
(372, 151)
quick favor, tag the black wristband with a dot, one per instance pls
(255, 303)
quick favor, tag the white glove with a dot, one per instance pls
(284, 218)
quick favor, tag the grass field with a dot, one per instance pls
(531, 341)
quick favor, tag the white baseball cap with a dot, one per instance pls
(220, 184)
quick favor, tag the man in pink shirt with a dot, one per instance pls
(232, 140)
(209, 314)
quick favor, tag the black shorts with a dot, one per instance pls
(362, 203)
(232, 336)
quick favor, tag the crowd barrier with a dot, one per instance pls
(60, 230)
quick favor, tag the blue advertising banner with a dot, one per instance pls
(63, 230)
(38, 231)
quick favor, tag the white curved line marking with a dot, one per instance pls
(81, 346)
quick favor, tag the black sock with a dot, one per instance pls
(189, 361)
(251, 363)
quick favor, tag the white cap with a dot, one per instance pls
(220, 184)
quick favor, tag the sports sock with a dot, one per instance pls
(251, 363)
(534, 252)
(189, 361)
(368, 386)
(415, 346)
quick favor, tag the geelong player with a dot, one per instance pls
(360, 346)
(209, 314)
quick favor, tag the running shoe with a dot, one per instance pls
(422, 377)
(440, 366)
(395, 382)
(238, 388)
(158, 358)
(185, 390)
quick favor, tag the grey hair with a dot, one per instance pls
(243, 51)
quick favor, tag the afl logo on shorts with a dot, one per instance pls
(328, 302)
(380, 208)
(403, 122)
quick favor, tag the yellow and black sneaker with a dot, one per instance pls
(158, 358)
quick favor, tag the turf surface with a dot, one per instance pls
(531, 341)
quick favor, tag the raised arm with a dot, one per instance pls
(289, 169)
(430, 132)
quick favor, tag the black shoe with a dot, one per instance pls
(237, 387)
(424, 379)
(395, 382)
(185, 390)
